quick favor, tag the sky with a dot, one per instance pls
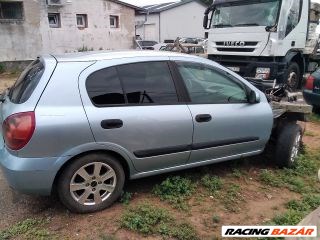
(147, 2)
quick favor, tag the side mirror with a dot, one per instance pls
(253, 97)
(205, 21)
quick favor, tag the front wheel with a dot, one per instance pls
(288, 145)
(293, 76)
(91, 183)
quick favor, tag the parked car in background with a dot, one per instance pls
(128, 115)
(311, 90)
(146, 45)
(159, 46)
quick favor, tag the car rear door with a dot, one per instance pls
(133, 108)
(226, 126)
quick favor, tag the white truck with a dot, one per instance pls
(264, 40)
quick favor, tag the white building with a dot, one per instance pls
(171, 20)
(32, 27)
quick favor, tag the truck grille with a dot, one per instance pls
(233, 46)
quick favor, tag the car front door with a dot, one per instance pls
(226, 126)
(133, 106)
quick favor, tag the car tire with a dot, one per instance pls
(288, 145)
(293, 76)
(83, 188)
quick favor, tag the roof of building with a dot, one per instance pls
(108, 55)
(157, 8)
(127, 5)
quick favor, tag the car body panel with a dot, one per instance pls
(69, 125)
(145, 128)
(312, 97)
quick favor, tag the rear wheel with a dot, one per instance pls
(91, 183)
(288, 145)
(293, 76)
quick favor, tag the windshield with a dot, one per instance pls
(241, 14)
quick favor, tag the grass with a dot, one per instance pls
(125, 198)
(175, 190)
(212, 183)
(314, 118)
(85, 49)
(148, 220)
(232, 198)
(301, 179)
(2, 68)
(27, 229)
(297, 210)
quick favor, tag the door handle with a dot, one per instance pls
(203, 118)
(111, 123)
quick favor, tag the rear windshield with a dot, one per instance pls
(26, 83)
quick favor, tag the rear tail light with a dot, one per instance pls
(310, 83)
(18, 129)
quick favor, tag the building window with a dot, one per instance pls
(54, 20)
(82, 20)
(11, 10)
(114, 22)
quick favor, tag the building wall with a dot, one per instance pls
(150, 30)
(27, 39)
(20, 39)
(182, 21)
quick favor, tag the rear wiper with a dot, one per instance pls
(246, 24)
(221, 25)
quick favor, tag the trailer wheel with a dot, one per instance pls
(293, 76)
(288, 145)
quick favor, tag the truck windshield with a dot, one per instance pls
(242, 14)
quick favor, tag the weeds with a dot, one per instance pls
(271, 179)
(2, 68)
(212, 183)
(314, 118)
(125, 198)
(84, 49)
(147, 219)
(27, 229)
(175, 190)
(232, 197)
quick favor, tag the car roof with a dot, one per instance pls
(107, 55)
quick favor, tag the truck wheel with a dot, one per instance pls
(91, 183)
(288, 145)
(293, 76)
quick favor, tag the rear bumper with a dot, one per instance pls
(312, 98)
(28, 175)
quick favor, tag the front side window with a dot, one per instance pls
(26, 83)
(208, 86)
(246, 13)
(104, 87)
(148, 82)
(293, 15)
(11, 10)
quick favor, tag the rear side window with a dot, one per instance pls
(149, 82)
(138, 83)
(26, 83)
(104, 87)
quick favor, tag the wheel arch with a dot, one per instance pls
(124, 163)
(295, 56)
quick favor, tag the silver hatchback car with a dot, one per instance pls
(83, 124)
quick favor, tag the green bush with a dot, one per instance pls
(2, 68)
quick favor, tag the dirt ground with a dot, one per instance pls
(258, 203)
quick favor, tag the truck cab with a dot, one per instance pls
(264, 40)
